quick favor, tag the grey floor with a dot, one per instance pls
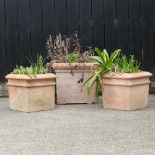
(77, 130)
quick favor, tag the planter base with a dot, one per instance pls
(126, 91)
(124, 98)
(69, 90)
(31, 94)
(31, 99)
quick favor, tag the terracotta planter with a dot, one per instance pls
(126, 91)
(67, 87)
(30, 94)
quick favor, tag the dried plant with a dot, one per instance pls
(60, 49)
(85, 57)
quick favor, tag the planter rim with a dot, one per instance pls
(73, 66)
(33, 77)
(75, 63)
(140, 74)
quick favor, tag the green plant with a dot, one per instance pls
(125, 65)
(72, 57)
(35, 68)
(105, 63)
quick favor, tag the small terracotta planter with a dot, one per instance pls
(126, 91)
(30, 94)
(68, 89)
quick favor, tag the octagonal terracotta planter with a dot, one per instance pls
(68, 89)
(33, 93)
(126, 91)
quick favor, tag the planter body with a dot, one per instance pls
(68, 89)
(30, 94)
(126, 91)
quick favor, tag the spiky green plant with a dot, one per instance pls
(105, 63)
(127, 65)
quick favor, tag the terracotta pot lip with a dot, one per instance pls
(73, 66)
(140, 74)
(33, 77)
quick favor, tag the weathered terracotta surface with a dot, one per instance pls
(126, 91)
(74, 66)
(30, 94)
(67, 87)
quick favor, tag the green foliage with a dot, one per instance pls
(125, 65)
(105, 63)
(72, 57)
(35, 68)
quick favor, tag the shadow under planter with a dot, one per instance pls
(31, 93)
(69, 81)
(127, 91)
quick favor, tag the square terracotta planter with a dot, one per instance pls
(33, 93)
(68, 89)
(126, 91)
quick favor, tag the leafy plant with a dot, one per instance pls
(125, 65)
(72, 57)
(105, 63)
(35, 68)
